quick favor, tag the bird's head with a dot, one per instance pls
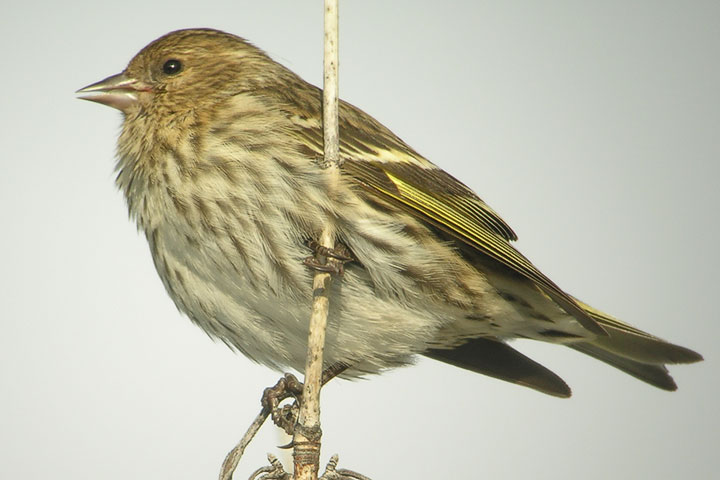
(182, 71)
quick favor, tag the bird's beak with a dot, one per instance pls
(117, 91)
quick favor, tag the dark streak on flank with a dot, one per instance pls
(306, 151)
(238, 246)
(220, 129)
(539, 316)
(191, 241)
(275, 255)
(289, 168)
(205, 215)
(226, 168)
(514, 299)
(180, 204)
(180, 279)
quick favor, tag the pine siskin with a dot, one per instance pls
(218, 160)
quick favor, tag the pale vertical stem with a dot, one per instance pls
(306, 440)
(330, 85)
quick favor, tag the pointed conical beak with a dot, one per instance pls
(118, 91)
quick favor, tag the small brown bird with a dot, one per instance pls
(219, 162)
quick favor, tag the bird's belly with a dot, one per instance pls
(250, 304)
(240, 276)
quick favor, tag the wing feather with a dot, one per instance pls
(383, 164)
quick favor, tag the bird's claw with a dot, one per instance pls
(340, 254)
(284, 416)
(333, 267)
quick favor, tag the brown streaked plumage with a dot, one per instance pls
(218, 160)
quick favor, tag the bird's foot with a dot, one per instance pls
(340, 254)
(284, 416)
(288, 386)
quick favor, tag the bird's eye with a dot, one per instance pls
(172, 67)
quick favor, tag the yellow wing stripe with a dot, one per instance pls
(440, 213)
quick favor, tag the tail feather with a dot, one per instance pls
(625, 347)
(633, 351)
(627, 341)
(497, 359)
(644, 348)
(656, 375)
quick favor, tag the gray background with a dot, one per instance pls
(592, 127)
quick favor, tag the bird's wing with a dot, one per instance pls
(449, 205)
(383, 164)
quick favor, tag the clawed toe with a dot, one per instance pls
(340, 254)
(284, 417)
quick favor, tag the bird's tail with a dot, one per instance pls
(633, 351)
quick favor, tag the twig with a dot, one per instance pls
(307, 434)
(233, 457)
(306, 439)
(331, 130)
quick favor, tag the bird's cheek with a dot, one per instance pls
(145, 99)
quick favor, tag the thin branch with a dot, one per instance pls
(307, 433)
(306, 440)
(232, 458)
(331, 130)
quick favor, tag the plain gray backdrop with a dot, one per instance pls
(591, 127)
